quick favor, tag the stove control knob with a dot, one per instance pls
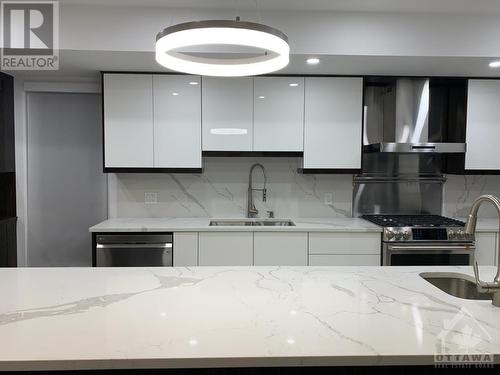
(451, 234)
(460, 234)
(399, 235)
(390, 234)
(407, 236)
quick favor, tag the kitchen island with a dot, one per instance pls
(123, 318)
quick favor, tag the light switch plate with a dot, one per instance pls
(328, 199)
(151, 198)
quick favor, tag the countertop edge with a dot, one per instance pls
(248, 362)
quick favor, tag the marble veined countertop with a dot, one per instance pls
(95, 318)
(170, 224)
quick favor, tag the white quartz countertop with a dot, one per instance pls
(96, 318)
(202, 224)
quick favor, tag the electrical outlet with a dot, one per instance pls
(328, 199)
(151, 198)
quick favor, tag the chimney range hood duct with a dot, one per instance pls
(396, 118)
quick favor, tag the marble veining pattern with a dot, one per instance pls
(461, 191)
(170, 224)
(221, 190)
(247, 316)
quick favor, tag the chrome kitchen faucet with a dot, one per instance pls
(470, 228)
(251, 210)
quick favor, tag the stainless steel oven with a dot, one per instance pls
(424, 240)
(428, 254)
(134, 250)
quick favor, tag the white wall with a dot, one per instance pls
(221, 191)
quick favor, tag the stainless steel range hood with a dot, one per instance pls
(396, 118)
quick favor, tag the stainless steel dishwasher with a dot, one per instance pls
(134, 250)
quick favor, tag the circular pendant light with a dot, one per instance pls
(222, 32)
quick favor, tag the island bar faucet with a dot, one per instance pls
(470, 228)
(251, 210)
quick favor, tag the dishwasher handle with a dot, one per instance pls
(135, 246)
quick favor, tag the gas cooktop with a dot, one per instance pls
(427, 221)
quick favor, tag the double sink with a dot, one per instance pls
(252, 223)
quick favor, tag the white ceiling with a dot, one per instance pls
(430, 6)
(86, 65)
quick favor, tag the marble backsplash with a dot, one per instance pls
(461, 191)
(221, 191)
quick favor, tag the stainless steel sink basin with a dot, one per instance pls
(252, 222)
(456, 284)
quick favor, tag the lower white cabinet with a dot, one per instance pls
(346, 243)
(291, 249)
(344, 249)
(185, 249)
(280, 248)
(486, 248)
(225, 248)
(344, 260)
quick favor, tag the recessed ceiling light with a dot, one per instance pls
(312, 61)
(495, 64)
(193, 83)
(293, 84)
(222, 33)
(175, 93)
(261, 97)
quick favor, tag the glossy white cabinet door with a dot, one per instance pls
(128, 120)
(280, 249)
(225, 248)
(483, 125)
(227, 108)
(185, 249)
(278, 114)
(486, 248)
(177, 121)
(344, 260)
(333, 122)
(344, 243)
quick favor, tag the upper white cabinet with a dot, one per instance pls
(177, 121)
(333, 122)
(166, 121)
(227, 107)
(278, 114)
(128, 120)
(483, 125)
(152, 121)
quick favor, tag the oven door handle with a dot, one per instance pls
(431, 247)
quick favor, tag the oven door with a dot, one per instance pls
(429, 254)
